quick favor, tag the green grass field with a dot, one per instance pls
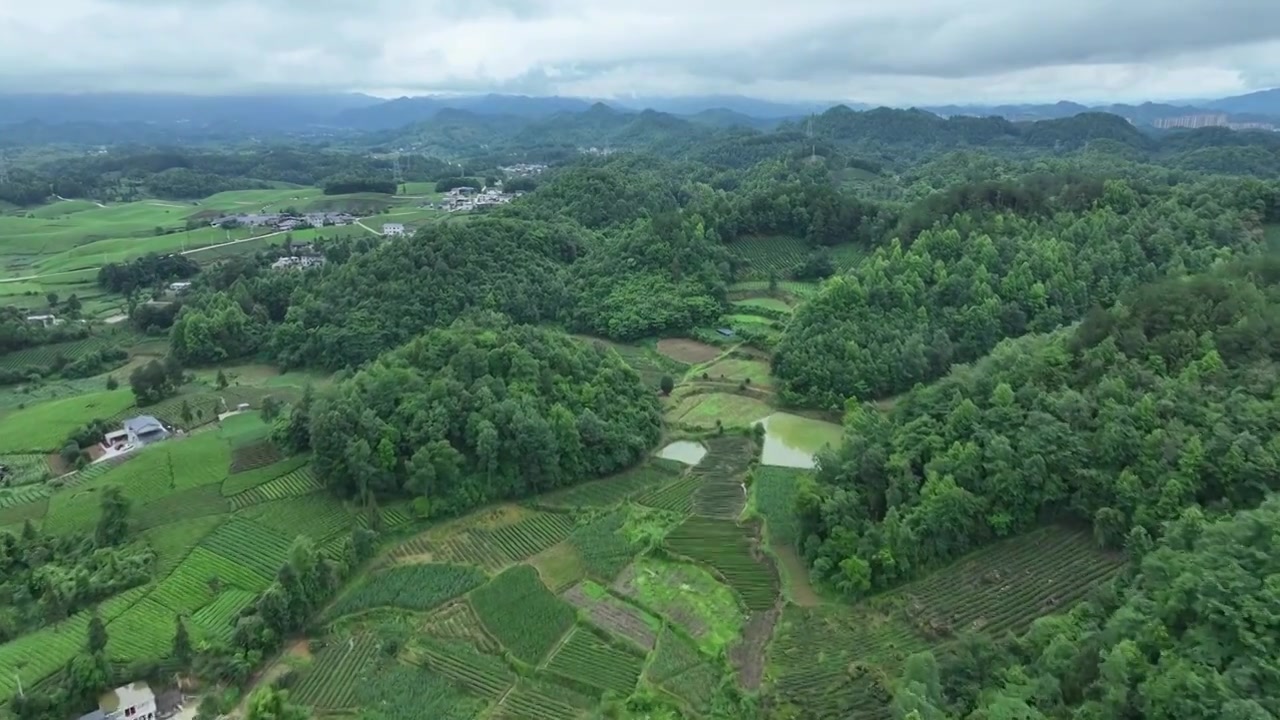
(45, 426)
(703, 410)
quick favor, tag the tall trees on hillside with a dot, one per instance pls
(907, 313)
(1164, 401)
(481, 411)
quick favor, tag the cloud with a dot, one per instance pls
(894, 51)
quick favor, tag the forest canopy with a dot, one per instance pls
(480, 411)
(1163, 402)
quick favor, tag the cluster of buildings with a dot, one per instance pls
(286, 221)
(1209, 120)
(524, 169)
(467, 198)
(297, 262)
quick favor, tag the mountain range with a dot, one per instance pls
(46, 115)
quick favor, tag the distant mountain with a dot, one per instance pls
(250, 112)
(725, 118)
(751, 107)
(1263, 102)
(406, 110)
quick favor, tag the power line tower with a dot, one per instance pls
(397, 172)
(813, 153)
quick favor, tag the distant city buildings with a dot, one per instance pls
(524, 169)
(283, 221)
(1209, 120)
(466, 198)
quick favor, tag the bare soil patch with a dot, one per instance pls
(748, 654)
(688, 351)
(616, 617)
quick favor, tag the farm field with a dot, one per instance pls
(45, 426)
(705, 409)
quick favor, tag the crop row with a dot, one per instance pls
(412, 587)
(615, 616)
(603, 547)
(25, 468)
(254, 455)
(10, 497)
(330, 681)
(44, 356)
(255, 546)
(676, 496)
(529, 702)
(319, 516)
(611, 490)
(188, 504)
(459, 622)
(774, 253)
(495, 547)
(1008, 585)
(217, 619)
(34, 656)
(588, 659)
(144, 631)
(726, 547)
(293, 481)
(522, 614)
(484, 675)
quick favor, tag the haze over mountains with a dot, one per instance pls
(356, 112)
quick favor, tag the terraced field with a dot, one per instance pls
(676, 496)
(330, 681)
(482, 675)
(494, 548)
(613, 490)
(586, 658)
(722, 492)
(727, 548)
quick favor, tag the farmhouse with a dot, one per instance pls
(134, 701)
(145, 429)
(297, 262)
(392, 229)
(178, 287)
(45, 320)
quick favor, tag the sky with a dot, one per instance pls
(896, 52)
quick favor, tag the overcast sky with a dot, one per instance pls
(881, 51)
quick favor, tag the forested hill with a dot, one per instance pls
(480, 411)
(1161, 403)
(912, 309)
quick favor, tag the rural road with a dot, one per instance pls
(184, 252)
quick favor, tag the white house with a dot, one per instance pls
(134, 701)
(178, 287)
(45, 320)
(391, 229)
(145, 429)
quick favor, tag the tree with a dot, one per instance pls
(221, 379)
(186, 413)
(73, 305)
(181, 644)
(155, 381)
(52, 299)
(113, 525)
(112, 383)
(667, 384)
(96, 641)
(268, 703)
(270, 409)
(70, 453)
